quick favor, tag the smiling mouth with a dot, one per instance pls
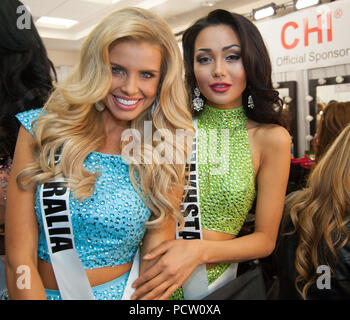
(126, 103)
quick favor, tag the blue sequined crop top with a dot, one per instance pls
(109, 225)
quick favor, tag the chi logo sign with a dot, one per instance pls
(292, 32)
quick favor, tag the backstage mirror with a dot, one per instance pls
(323, 91)
(288, 93)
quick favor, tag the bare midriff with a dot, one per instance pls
(96, 276)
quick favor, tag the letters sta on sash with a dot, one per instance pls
(190, 208)
(55, 197)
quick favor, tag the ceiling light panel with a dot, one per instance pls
(55, 23)
(264, 12)
(301, 4)
(102, 1)
(147, 4)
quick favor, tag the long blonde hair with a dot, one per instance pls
(70, 124)
(321, 211)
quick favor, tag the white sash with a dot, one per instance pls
(70, 275)
(196, 287)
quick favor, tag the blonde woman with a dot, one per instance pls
(129, 75)
(315, 255)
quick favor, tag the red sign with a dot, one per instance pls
(319, 29)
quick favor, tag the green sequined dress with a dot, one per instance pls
(225, 174)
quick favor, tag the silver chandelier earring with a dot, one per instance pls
(198, 102)
(251, 104)
(99, 106)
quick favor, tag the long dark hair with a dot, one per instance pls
(256, 61)
(26, 73)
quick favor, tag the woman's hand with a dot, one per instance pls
(177, 260)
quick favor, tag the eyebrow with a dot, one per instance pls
(121, 67)
(223, 49)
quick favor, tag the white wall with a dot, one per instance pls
(64, 61)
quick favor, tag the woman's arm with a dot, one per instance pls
(152, 239)
(158, 235)
(21, 234)
(181, 257)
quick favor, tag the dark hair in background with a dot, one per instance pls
(256, 61)
(25, 73)
(334, 119)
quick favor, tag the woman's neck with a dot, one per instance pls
(227, 106)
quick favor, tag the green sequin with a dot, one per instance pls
(225, 171)
(225, 174)
(212, 275)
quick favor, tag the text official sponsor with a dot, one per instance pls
(311, 38)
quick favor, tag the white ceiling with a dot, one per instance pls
(178, 13)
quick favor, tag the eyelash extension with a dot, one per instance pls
(234, 56)
(116, 68)
(202, 59)
(148, 74)
(231, 57)
(119, 70)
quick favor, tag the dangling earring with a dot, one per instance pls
(99, 106)
(198, 102)
(251, 104)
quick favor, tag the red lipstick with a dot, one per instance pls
(220, 87)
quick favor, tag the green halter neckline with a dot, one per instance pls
(224, 118)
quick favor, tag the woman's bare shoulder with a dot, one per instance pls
(270, 135)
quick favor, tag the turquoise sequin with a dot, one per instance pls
(112, 290)
(109, 225)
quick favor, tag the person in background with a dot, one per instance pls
(26, 80)
(129, 74)
(335, 117)
(314, 248)
(228, 75)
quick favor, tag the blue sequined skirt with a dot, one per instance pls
(112, 290)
